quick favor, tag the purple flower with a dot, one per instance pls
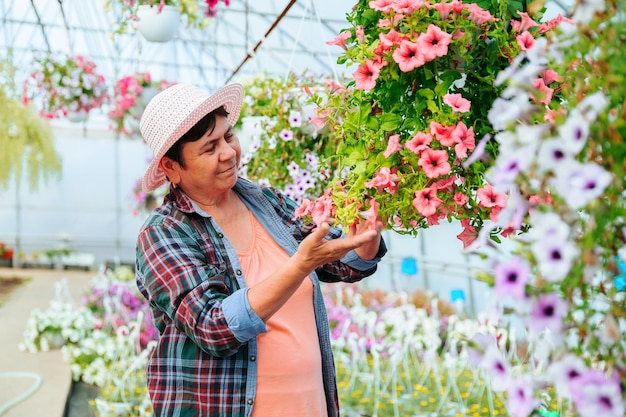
(554, 258)
(564, 372)
(286, 135)
(496, 367)
(548, 313)
(511, 277)
(507, 168)
(293, 168)
(574, 132)
(596, 395)
(520, 396)
(552, 153)
(580, 183)
(295, 118)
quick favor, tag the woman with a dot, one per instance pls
(232, 276)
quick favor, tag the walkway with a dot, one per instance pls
(50, 398)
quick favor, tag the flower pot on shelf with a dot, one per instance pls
(158, 26)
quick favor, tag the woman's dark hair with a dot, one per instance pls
(204, 125)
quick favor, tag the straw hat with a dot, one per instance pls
(175, 110)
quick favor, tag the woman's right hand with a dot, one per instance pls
(315, 250)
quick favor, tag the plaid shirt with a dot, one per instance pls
(205, 360)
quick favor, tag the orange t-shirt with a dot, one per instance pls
(289, 381)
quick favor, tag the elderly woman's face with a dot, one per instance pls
(211, 162)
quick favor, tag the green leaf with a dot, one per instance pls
(390, 122)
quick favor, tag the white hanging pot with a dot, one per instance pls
(147, 93)
(76, 116)
(155, 26)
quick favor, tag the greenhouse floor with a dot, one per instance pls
(21, 372)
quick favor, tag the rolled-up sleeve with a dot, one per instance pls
(354, 261)
(242, 320)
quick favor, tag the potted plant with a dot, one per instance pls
(65, 86)
(284, 147)
(167, 14)
(131, 95)
(415, 112)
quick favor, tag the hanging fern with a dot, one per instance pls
(26, 139)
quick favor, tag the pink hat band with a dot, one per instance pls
(171, 113)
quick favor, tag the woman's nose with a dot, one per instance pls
(228, 150)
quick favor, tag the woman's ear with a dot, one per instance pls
(170, 168)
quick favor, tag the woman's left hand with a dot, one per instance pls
(368, 250)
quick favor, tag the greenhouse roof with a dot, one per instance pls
(245, 39)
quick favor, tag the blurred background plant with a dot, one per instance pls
(131, 95)
(562, 160)
(65, 86)
(285, 147)
(28, 145)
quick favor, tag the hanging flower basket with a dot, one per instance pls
(132, 94)
(158, 24)
(65, 86)
(190, 12)
(415, 114)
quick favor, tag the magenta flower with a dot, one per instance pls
(595, 394)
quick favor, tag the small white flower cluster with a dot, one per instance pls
(60, 323)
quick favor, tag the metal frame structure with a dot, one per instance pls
(245, 39)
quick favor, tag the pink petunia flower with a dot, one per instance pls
(434, 43)
(526, 23)
(393, 146)
(305, 208)
(460, 199)
(393, 37)
(468, 235)
(525, 40)
(487, 197)
(408, 56)
(457, 102)
(465, 140)
(444, 134)
(384, 179)
(366, 75)
(426, 202)
(341, 39)
(322, 209)
(434, 162)
(419, 142)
